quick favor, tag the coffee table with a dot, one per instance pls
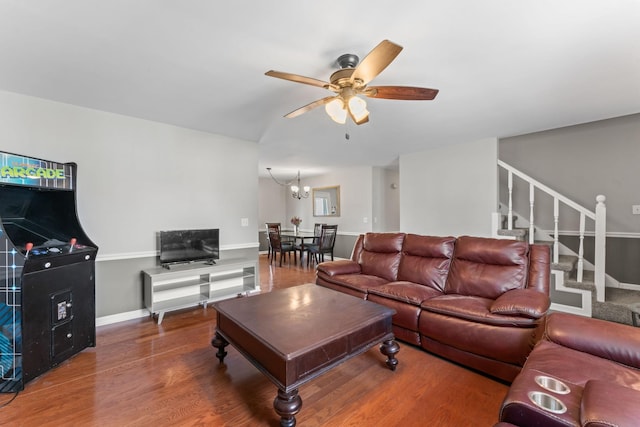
(294, 335)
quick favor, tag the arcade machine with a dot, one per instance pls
(47, 270)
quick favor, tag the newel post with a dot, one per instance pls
(600, 246)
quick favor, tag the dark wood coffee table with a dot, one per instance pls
(294, 335)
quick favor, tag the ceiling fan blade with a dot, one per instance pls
(376, 61)
(401, 92)
(298, 79)
(310, 106)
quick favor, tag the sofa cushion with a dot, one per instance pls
(342, 266)
(505, 343)
(381, 254)
(522, 302)
(406, 316)
(615, 341)
(577, 367)
(475, 309)
(426, 259)
(608, 405)
(359, 282)
(407, 292)
(383, 242)
(487, 267)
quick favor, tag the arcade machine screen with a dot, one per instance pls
(39, 217)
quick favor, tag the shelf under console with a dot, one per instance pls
(190, 285)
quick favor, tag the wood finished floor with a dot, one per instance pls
(144, 374)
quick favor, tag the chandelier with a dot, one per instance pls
(294, 185)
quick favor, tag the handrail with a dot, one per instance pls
(599, 218)
(548, 190)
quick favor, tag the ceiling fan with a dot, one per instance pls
(351, 80)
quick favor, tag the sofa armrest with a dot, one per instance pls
(343, 266)
(609, 340)
(522, 302)
(606, 404)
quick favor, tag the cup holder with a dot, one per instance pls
(547, 402)
(552, 384)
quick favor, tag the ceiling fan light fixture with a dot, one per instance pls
(335, 109)
(358, 108)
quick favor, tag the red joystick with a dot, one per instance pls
(28, 247)
(72, 243)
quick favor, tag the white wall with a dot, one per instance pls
(391, 197)
(137, 177)
(271, 203)
(583, 161)
(386, 200)
(450, 190)
(355, 200)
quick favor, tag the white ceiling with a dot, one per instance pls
(503, 67)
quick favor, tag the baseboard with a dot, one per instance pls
(629, 286)
(121, 317)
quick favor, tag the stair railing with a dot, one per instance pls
(599, 216)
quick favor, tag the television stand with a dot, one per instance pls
(177, 286)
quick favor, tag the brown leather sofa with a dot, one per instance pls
(478, 301)
(597, 361)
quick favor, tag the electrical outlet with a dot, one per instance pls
(244, 222)
(635, 209)
(365, 220)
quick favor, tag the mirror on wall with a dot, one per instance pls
(326, 201)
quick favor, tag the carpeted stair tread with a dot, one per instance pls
(622, 296)
(565, 263)
(616, 307)
(516, 232)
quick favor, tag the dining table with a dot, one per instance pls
(299, 236)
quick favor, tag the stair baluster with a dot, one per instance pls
(510, 213)
(580, 270)
(600, 245)
(531, 202)
(556, 240)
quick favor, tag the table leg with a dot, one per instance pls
(287, 405)
(389, 348)
(220, 343)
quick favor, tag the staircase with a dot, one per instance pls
(573, 285)
(617, 304)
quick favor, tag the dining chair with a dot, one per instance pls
(277, 245)
(326, 243)
(302, 247)
(271, 226)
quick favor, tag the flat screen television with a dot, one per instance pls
(182, 246)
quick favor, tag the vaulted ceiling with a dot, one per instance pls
(503, 68)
